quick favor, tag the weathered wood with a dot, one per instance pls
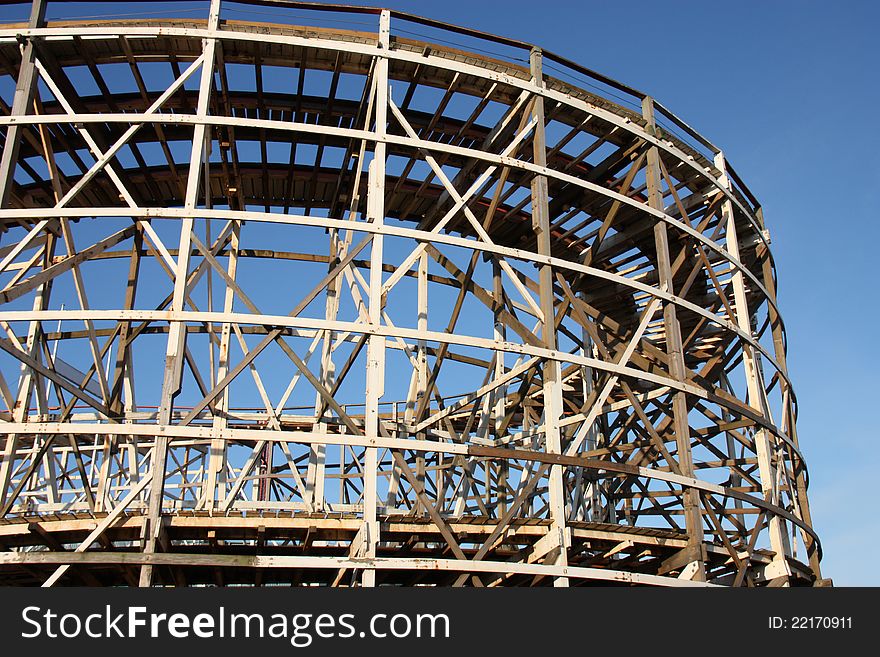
(333, 406)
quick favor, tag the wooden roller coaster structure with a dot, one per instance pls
(294, 303)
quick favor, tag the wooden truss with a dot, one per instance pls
(428, 317)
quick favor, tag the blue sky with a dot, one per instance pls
(788, 90)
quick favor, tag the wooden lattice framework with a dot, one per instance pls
(311, 305)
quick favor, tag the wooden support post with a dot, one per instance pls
(779, 351)
(499, 334)
(591, 504)
(174, 354)
(551, 372)
(29, 381)
(21, 104)
(765, 442)
(422, 353)
(376, 344)
(215, 484)
(318, 452)
(677, 369)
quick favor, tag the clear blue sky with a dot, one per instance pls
(789, 91)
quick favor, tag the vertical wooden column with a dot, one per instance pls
(29, 378)
(121, 373)
(21, 102)
(318, 451)
(177, 329)
(216, 475)
(590, 503)
(422, 357)
(693, 561)
(788, 404)
(764, 440)
(551, 371)
(376, 344)
(499, 334)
